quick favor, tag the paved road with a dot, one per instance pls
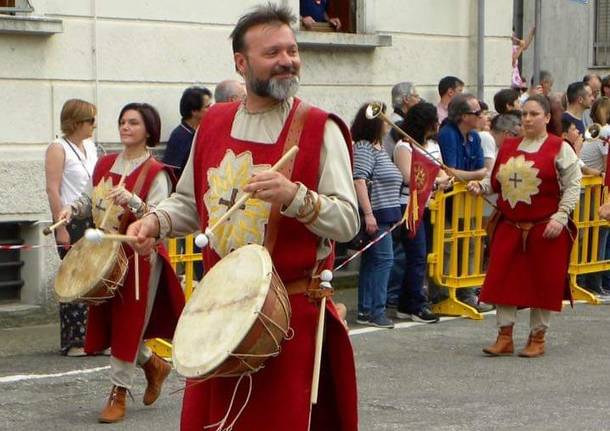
(415, 377)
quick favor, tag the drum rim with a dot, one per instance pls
(105, 271)
(198, 372)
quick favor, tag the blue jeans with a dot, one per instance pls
(412, 296)
(397, 274)
(596, 280)
(375, 267)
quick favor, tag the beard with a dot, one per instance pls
(276, 88)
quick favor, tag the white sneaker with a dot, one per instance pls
(76, 352)
(402, 316)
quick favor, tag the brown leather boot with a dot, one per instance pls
(535, 345)
(156, 371)
(115, 407)
(504, 343)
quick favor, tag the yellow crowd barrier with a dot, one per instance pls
(458, 244)
(187, 257)
(584, 258)
(456, 259)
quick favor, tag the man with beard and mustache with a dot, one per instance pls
(309, 207)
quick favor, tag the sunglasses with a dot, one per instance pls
(476, 113)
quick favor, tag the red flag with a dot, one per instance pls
(423, 172)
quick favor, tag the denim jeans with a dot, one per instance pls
(397, 273)
(596, 280)
(412, 296)
(375, 267)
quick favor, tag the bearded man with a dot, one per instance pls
(308, 206)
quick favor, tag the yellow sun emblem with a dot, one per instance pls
(100, 204)
(226, 182)
(421, 176)
(519, 180)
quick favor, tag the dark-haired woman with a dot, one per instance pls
(537, 179)
(123, 322)
(377, 181)
(421, 123)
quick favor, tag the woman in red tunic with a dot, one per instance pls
(123, 322)
(537, 179)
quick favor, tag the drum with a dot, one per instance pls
(91, 272)
(237, 317)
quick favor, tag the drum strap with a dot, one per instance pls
(292, 139)
(137, 188)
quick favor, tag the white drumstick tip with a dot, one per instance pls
(326, 275)
(201, 240)
(94, 235)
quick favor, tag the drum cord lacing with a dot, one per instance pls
(221, 423)
(282, 297)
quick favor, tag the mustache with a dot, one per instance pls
(280, 70)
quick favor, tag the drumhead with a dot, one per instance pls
(84, 266)
(221, 310)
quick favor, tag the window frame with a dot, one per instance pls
(598, 44)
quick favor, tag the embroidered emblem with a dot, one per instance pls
(519, 180)
(100, 204)
(226, 183)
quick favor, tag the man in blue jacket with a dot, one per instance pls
(193, 104)
(462, 153)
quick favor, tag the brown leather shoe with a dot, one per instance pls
(504, 343)
(535, 345)
(156, 371)
(115, 408)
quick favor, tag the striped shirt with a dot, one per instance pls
(374, 165)
(435, 153)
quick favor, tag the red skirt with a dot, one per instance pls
(536, 277)
(281, 391)
(119, 322)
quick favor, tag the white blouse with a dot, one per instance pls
(78, 169)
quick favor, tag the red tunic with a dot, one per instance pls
(537, 276)
(281, 391)
(119, 322)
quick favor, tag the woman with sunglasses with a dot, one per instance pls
(537, 178)
(125, 321)
(69, 163)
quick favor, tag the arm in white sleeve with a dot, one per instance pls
(569, 178)
(178, 214)
(338, 217)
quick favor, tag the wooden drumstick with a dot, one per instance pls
(50, 229)
(111, 204)
(326, 276)
(97, 235)
(280, 163)
(136, 268)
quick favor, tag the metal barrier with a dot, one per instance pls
(458, 242)
(456, 260)
(584, 258)
(160, 346)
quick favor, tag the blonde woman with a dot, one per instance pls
(69, 164)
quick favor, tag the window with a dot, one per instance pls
(601, 42)
(12, 7)
(344, 10)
